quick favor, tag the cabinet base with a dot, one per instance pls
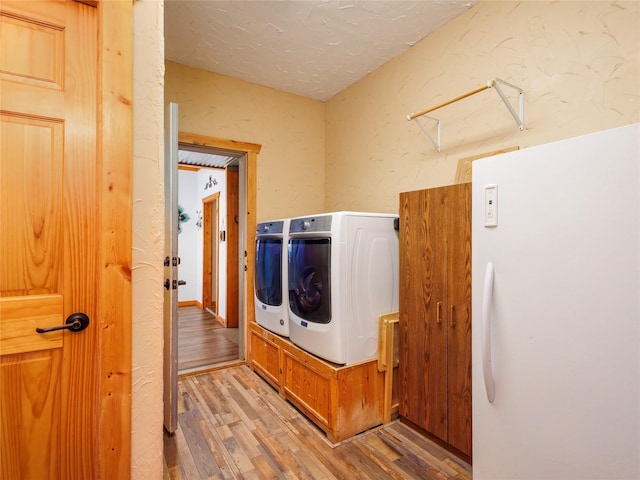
(341, 400)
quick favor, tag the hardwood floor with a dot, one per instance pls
(202, 341)
(233, 425)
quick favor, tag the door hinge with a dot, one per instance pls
(167, 261)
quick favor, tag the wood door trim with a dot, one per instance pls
(207, 259)
(207, 141)
(115, 140)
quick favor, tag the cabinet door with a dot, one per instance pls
(423, 328)
(459, 317)
(265, 356)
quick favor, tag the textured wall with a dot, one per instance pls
(289, 128)
(576, 61)
(148, 240)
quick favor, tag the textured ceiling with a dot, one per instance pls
(312, 48)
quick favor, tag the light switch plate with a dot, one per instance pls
(491, 205)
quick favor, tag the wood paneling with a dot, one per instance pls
(423, 353)
(114, 316)
(459, 318)
(341, 400)
(20, 318)
(31, 202)
(233, 220)
(232, 424)
(435, 312)
(30, 415)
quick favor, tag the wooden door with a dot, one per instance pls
(423, 328)
(233, 241)
(435, 312)
(60, 244)
(210, 254)
(459, 317)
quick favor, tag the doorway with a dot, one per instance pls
(227, 226)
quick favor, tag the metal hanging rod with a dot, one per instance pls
(493, 83)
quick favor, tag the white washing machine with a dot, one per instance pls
(271, 290)
(343, 274)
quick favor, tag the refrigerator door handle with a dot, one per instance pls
(487, 295)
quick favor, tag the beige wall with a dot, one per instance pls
(289, 128)
(577, 62)
(148, 240)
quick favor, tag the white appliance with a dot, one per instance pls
(556, 310)
(271, 287)
(343, 274)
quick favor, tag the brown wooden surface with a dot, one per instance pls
(45, 101)
(64, 169)
(463, 170)
(459, 321)
(265, 356)
(423, 360)
(341, 400)
(232, 316)
(202, 341)
(435, 312)
(114, 301)
(210, 257)
(232, 425)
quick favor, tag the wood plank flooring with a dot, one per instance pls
(202, 341)
(233, 425)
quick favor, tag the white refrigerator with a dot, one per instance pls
(556, 310)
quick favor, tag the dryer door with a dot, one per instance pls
(309, 279)
(268, 281)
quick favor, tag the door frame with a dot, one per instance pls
(114, 303)
(247, 212)
(211, 235)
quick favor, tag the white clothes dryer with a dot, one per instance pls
(343, 274)
(271, 287)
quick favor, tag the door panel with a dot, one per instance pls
(170, 364)
(459, 317)
(31, 196)
(48, 239)
(423, 368)
(233, 244)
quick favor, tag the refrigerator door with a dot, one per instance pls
(562, 312)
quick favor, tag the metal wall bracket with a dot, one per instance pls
(495, 84)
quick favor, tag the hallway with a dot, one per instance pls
(202, 341)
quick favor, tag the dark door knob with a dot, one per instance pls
(76, 322)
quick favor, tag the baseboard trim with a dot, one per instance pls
(190, 303)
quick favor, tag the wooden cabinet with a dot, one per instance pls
(435, 312)
(342, 400)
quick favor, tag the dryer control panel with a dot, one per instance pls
(311, 224)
